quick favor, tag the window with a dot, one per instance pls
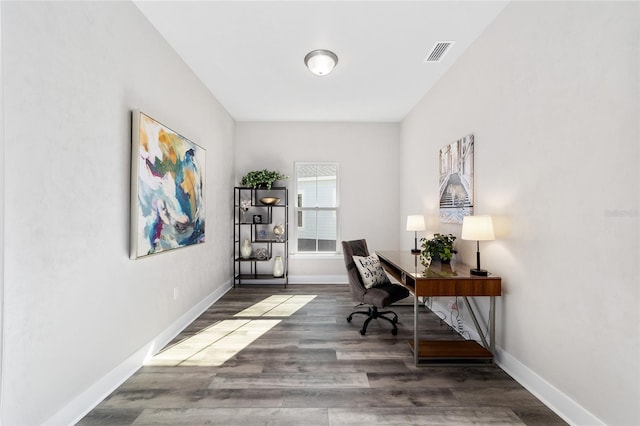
(299, 212)
(316, 207)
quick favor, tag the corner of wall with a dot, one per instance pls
(564, 406)
(2, 168)
(76, 409)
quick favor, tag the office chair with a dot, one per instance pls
(379, 296)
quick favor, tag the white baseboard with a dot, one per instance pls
(96, 393)
(302, 279)
(318, 279)
(565, 407)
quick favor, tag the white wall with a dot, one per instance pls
(75, 306)
(551, 92)
(367, 154)
(2, 167)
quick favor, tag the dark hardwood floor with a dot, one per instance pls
(295, 360)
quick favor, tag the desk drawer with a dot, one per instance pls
(459, 287)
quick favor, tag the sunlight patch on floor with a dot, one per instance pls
(216, 344)
(277, 306)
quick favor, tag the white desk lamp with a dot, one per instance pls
(415, 223)
(479, 228)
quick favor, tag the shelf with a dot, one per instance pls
(273, 188)
(263, 205)
(252, 259)
(451, 351)
(259, 234)
(259, 277)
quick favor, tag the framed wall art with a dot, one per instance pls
(456, 180)
(167, 189)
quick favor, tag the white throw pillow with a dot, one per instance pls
(371, 270)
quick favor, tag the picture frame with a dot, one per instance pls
(257, 218)
(167, 189)
(456, 180)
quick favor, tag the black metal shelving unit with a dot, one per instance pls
(261, 235)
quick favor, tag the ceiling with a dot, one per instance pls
(250, 53)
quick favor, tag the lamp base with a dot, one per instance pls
(479, 272)
(415, 251)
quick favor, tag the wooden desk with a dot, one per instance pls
(445, 280)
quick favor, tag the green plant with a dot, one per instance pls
(439, 247)
(258, 178)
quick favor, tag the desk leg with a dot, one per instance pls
(475, 322)
(492, 324)
(416, 346)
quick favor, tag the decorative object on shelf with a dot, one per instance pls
(440, 247)
(245, 249)
(456, 180)
(244, 208)
(415, 223)
(270, 201)
(261, 178)
(262, 234)
(478, 228)
(257, 218)
(261, 253)
(278, 231)
(167, 189)
(278, 267)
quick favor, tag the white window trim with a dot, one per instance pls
(294, 240)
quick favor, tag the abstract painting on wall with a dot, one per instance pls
(456, 180)
(167, 189)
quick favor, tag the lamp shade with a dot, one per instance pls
(479, 228)
(415, 222)
(321, 62)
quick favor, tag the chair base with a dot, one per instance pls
(373, 313)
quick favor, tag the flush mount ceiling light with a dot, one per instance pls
(321, 62)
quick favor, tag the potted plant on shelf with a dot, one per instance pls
(440, 247)
(261, 178)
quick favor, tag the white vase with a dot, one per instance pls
(245, 249)
(278, 267)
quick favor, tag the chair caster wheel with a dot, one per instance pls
(362, 332)
(349, 318)
(394, 331)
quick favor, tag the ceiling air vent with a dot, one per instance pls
(438, 51)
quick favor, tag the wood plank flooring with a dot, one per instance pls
(294, 361)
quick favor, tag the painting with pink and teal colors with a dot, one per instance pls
(167, 189)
